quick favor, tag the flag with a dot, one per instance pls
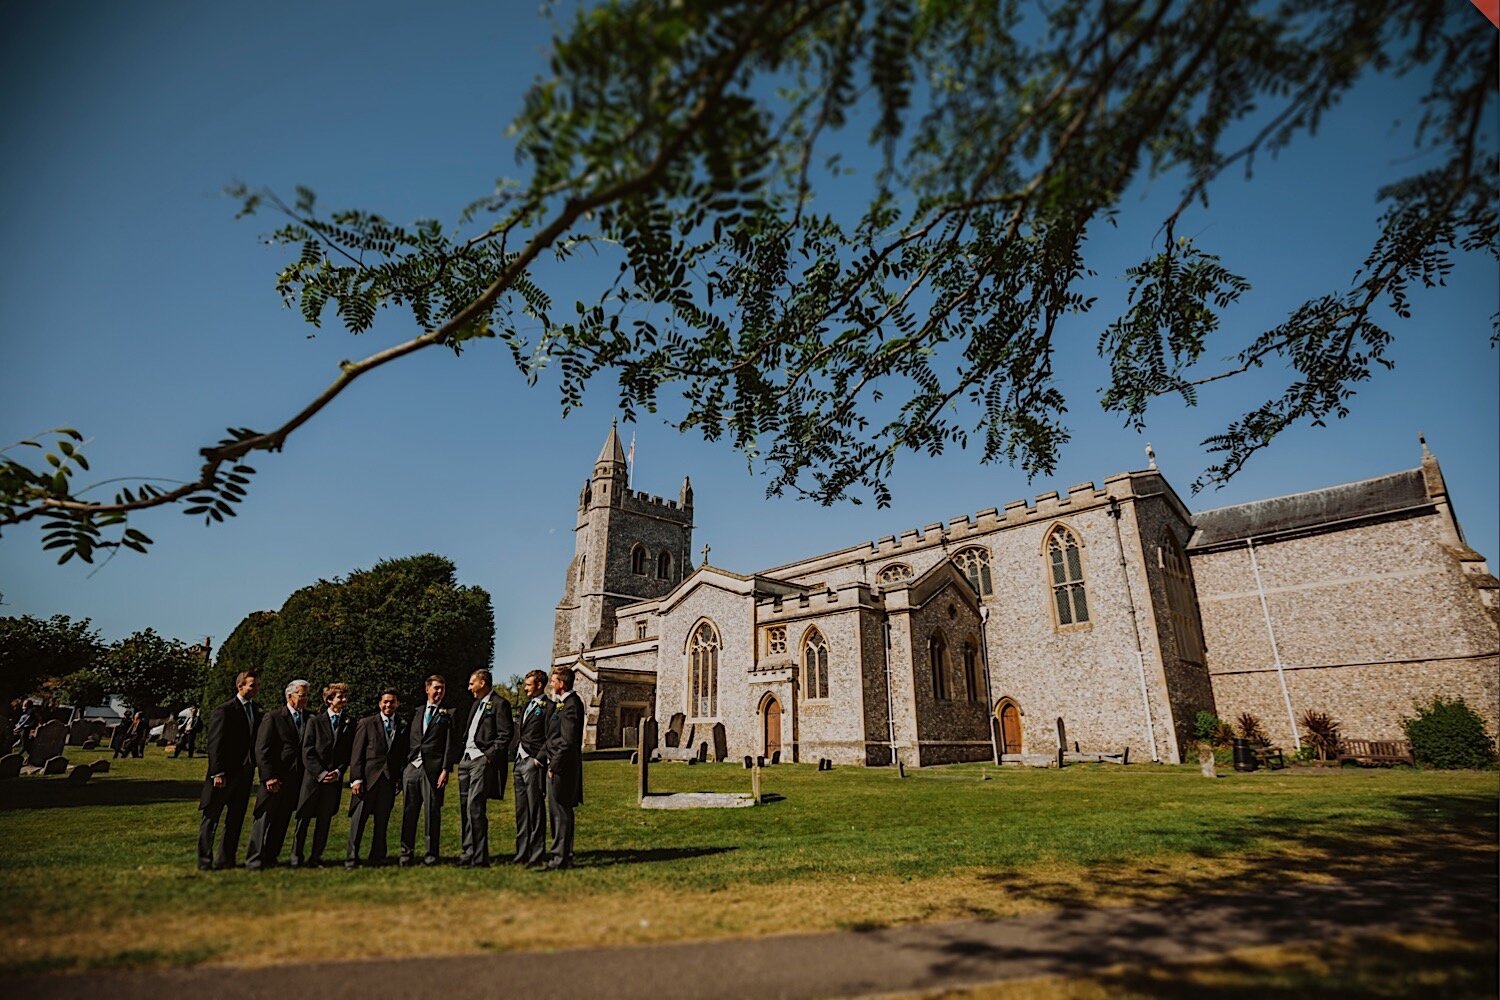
(630, 463)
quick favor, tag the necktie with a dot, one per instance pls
(428, 721)
(335, 721)
(389, 735)
(249, 713)
(297, 720)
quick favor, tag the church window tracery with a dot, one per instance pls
(971, 671)
(975, 562)
(703, 673)
(1065, 571)
(776, 640)
(937, 660)
(638, 559)
(894, 573)
(814, 664)
(663, 566)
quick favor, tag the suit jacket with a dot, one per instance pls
(231, 738)
(324, 750)
(438, 743)
(371, 761)
(531, 731)
(278, 754)
(565, 748)
(493, 736)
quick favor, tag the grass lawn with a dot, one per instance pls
(104, 875)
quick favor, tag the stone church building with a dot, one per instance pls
(1113, 608)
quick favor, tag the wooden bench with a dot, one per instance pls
(1270, 758)
(1376, 752)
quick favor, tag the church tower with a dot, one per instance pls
(627, 547)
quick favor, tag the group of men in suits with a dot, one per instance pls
(305, 758)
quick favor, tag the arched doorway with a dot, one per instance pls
(1009, 715)
(770, 728)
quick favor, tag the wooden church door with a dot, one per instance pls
(1010, 728)
(772, 726)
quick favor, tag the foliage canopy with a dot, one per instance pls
(689, 143)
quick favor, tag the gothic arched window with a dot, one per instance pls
(703, 673)
(937, 661)
(638, 559)
(664, 566)
(971, 670)
(1182, 601)
(1065, 571)
(975, 562)
(894, 573)
(814, 664)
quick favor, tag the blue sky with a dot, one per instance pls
(135, 308)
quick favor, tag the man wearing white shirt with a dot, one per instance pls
(481, 768)
(531, 773)
(375, 776)
(327, 739)
(434, 749)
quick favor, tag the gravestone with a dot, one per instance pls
(755, 784)
(92, 743)
(79, 774)
(630, 736)
(776, 757)
(645, 745)
(99, 766)
(1062, 734)
(49, 741)
(900, 768)
(1206, 761)
(80, 732)
(749, 762)
(169, 731)
(10, 766)
(674, 730)
(55, 765)
(719, 739)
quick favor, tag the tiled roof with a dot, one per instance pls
(1302, 511)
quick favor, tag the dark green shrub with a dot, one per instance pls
(1206, 726)
(1449, 734)
(1322, 733)
(1251, 729)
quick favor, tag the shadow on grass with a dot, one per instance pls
(131, 958)
(642, 856)
(1430, 869)
(57, 793)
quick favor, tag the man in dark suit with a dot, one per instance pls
(531, 773)
(433, 749)
(380, 747)
(187, 739)
(482, 767)
(327, 742)
(278, 754)
(231, 773)
(564, 765)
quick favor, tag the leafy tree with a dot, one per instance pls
(151, 672)
(388, 626)
(35, 649)
(688, 143)
(246, 649)
(84, 688)
(1449, 734)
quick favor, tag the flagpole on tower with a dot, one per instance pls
(630, 463)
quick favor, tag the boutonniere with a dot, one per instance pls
(443, 713)
(489, 709)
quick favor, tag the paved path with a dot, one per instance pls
(855, 963)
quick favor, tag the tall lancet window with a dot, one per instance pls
(703, 672)
(814, 664)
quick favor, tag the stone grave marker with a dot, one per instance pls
(776, 757)
(55, 765)
(1062, 734)
(749, 762)
(100, 766)
(92, 743)
(84, 730)
(169, 731)
(720, 740)
(630, 736)
(675, 726)
(79, 774)
(645, 745)
(10, 766)
(49, 741)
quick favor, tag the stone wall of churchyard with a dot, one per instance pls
(954, 728)
(1188, 687)
(1088, 675)
(1366, 619)
(835, 727)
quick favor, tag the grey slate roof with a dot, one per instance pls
(1300, 511)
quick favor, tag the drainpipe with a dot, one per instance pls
(989, 692)
(1135, 630)
(1265, 610)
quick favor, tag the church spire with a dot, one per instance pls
(612, 455)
